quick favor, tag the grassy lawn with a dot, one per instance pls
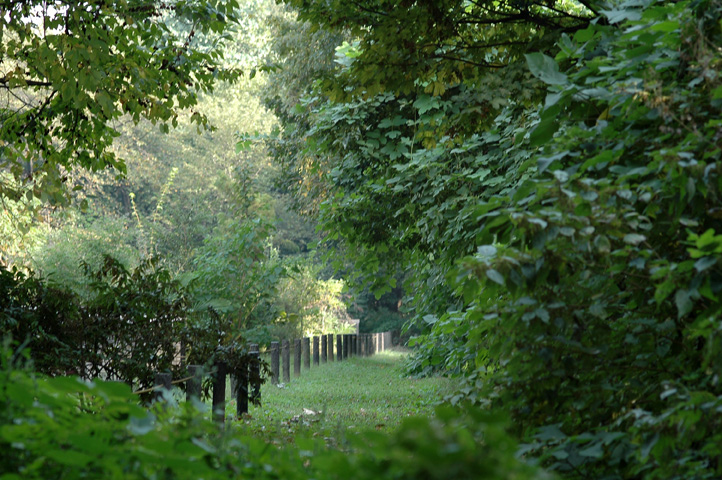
(358, 393)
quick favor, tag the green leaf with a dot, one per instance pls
(663, 290)
(543, 132)
(634, 239)
(704, 263)
(495, 276)
(545, 69)
(596, 450)
(425, 103)
(683, 302)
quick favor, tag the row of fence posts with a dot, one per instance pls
(347, 345)
(363, 344)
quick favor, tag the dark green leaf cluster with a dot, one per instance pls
(128, 330)
(594, 291)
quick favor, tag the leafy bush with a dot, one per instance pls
(127, 330)
(67, 427)
(236, 275)
(382, 320)
(593, 298)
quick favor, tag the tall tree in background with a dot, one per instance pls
(68, 70)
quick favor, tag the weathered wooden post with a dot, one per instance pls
(307, 352)
(354, 345)
(275, 371)
(255, 373)
(193, 385)
(163, 382)
(339, 347)
(219, 393)
(375, 340)
(286, 361)
(324, 348)
(297, 358)
(345, 346)
(315, 350)
(330, 347)
(240, 390)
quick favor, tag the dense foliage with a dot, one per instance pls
(562, 236)
(67, 427)
(127, 329)
(69, 70)
(540, 178)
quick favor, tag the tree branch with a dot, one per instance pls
(27, 83)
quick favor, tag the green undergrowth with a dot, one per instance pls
(359, 393)
(66, 427)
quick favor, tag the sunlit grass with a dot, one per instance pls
(358, 393)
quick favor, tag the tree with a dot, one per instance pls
(70, 70)
(300, 54)
(413, 114)
(565, 240)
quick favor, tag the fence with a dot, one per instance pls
(319, 348)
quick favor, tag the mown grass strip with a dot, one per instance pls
(358, 393)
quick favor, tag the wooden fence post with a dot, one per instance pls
(286, 361)
(307, 352)
(354, 345)
(339, 347)
(297, 358)
(324, 348)
(240, 389)
(345, 346)
(193, 386)
(275, 371)
(255, 373)
(329, 344)
(315, 350)
(219, 393)
(163, 381)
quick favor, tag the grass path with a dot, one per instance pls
(358, 393)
